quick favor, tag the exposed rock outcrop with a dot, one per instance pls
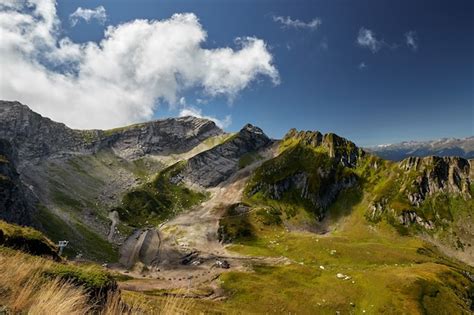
(36, 137)
(15, 202)
(141, 247)
(424, 178)
(437, 174)
(214, 166)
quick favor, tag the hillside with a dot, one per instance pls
(310, 224)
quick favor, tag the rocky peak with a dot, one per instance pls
(210, 168)
(32, 135)
(339, 148)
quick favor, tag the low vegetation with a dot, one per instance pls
(26, 239)
(81, 239)
(39, 285)
(155, 201)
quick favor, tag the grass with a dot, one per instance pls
(26, 239)
(389, 273)
(158, 200)
(92, 278)
(35, 285)
(81, 239)
(297, 160)
(248, 158)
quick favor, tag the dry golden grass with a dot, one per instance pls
(23, 289)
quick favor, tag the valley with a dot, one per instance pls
(241, 223)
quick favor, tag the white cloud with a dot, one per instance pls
(87, 15)
(197, 112)
(362, 65)
(288, 22)
(366, 38)
(135, 68)
(411, 40)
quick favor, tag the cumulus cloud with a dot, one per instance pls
(87, 15)
(367, 39)
(411, 40)
(288, 22)
(124, 78)
(197, 112)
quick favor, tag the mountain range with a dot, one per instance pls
(310, 223)
(441, 147)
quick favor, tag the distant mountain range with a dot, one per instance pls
(441, 147)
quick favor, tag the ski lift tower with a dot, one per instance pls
(61, 245)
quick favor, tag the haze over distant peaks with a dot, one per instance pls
(441, 147)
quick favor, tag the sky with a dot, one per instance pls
(373, 71)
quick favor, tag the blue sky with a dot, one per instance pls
(383, 92)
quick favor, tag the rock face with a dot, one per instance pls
(36, 137)
(15, 205)
(214, 166)
(142, 246)
(425, 178)
(438, 174)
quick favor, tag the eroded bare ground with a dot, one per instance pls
(190, 254)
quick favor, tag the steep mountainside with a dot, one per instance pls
(212, 167)
(15, 202)
(36, 137)
(310, 171)
(77, 176)
(444, 147)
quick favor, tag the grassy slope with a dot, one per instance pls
(390, 273)
(81, 239)
(155, 201)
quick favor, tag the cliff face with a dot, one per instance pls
(437, 175)
(14, 204)
(36, 137)
(214, 166)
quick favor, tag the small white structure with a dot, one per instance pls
(61, 245)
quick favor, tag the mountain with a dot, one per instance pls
(442, 147)
(76, 176)
(178, 204)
